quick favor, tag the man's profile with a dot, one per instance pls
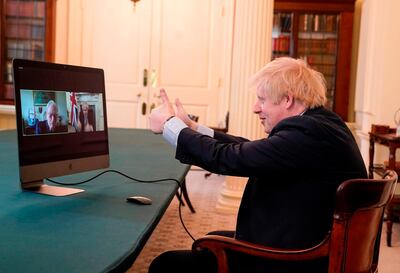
(51, 124)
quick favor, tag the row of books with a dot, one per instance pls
(326, 69)
(35, 9)
(282, 22)
(25, 31)
(330, 93)
(8, 73)
(326, 46)
(329, 102)
(24, 49)
(319, 59)
(278, 55)
(318, 22)
(281, 44)
(330, 82)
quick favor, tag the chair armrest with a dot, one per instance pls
(219, 244)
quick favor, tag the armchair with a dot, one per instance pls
(352, 245)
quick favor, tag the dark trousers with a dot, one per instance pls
(183, 261)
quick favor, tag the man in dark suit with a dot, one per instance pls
(51, 124)
(293, 174)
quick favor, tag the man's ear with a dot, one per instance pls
(289, 101)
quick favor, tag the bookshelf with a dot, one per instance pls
(27, 32)
(319, 32)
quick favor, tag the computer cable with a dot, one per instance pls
(136, 180)
(114, 171)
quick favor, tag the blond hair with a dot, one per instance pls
(287, 76)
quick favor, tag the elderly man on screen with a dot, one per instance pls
(51, 124)
(293, 173)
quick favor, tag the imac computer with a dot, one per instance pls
(61, 122)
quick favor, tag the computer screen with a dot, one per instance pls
(61, 120)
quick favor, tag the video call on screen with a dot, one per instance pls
(61, 112)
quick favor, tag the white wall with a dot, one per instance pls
(377, 86)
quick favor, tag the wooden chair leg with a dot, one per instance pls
(389, 224)
(186, 196)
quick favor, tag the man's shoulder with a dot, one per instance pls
(318, 120)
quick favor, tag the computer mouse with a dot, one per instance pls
(139, 200)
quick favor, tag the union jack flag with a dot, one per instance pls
(74, 111)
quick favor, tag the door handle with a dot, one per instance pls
(145, 77)
(144, 107)
(153, 78)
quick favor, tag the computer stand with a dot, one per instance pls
(42, 188)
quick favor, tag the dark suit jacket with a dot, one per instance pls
(43, 128)
(293, 174)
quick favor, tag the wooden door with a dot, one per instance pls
(116, 37)
(187, 55)
(178, 42)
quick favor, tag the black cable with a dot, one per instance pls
(180, 215)
(118, 172)
(137, 180)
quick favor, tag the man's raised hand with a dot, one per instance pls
(182, 114)
(160, 114)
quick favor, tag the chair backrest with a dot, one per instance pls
(355, 237)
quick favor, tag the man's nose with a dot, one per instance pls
(256, 108)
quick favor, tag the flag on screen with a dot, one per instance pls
(74, 110)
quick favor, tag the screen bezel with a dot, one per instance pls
(32, 172)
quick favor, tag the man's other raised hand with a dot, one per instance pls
(161, 114)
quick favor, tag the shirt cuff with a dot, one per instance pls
(202, 129)
(171, 131)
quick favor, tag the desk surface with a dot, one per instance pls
(93, 231)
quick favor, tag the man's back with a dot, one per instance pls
(293, 207)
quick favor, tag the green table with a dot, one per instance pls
(93, 231)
